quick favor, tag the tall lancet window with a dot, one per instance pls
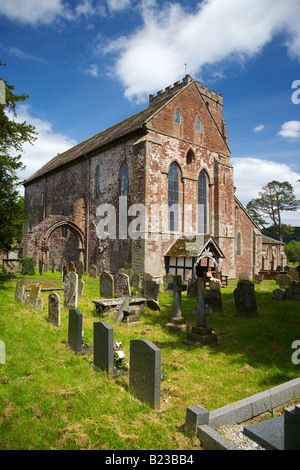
(202, 203)
(173, 198)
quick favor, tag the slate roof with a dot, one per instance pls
(124, 128)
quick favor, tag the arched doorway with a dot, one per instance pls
(63, 240)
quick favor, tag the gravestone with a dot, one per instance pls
(53, 265)
(264, 285)
(20, 292)
(201, 333)
(245, 301)
(71, 290)
(107, 285)
(278, 294)
(168, 281)
(146, 277)
(213, 297)
(293, 273)
(81, 285)
(75, 330)
(151, 290)
(103, 347)
(177, 321)
(72, 267)
(136, 280)
(121, 285)
(192, 287)
(41, 267)
(129, 273)
(291, 293)
(54, 309)
(145, 371)
(244, 277)
(34, 299)
(65, 271)
(284, 281)
(93, 271)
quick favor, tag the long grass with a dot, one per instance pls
(51, 398)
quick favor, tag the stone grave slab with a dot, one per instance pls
(269, 434)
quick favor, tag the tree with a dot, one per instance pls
(274, 199)
(292, 251)
(13, 135)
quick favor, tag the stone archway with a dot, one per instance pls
(78, 237)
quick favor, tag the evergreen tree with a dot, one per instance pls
(13, 135)
(274, 199)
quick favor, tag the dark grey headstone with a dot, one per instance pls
(145, 371)
(103, 347)
(75, 330)
(292, 428)
(245, 301)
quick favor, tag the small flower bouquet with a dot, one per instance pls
(120, 361)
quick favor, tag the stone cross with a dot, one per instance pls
(177, 288)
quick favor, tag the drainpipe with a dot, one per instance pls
(87, 218)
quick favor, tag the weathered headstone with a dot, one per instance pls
(103, 347)
(284, 281)
(264, 285)
(53, 265)
(75, 330)
(168, 281)
(145, 371)
(81, 285)
(244, 277)
(107, 285)
(192, 287)
(93, 271)
(34, 299)
(151, 290)
(20, 292)
(54, 309)
(293, 273)
(71, 290)
(72, 267)
(213, 297)
(121, 285)
(245, 301)
(41, 267)
(136, 280)
(278, 294)
(129, 273)
(65, 271)
(146, 277)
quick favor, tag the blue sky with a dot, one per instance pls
(88, 64)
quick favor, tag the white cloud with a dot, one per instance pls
(251, 174)
(47, 145)
(116, 5)
(154, 55)
(92, 70)
(32, 11)
(259, 128)
(290, 130)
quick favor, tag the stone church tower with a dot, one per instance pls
(154, 192)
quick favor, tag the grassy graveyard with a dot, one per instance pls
(51, 398)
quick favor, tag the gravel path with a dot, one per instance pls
(234, 434)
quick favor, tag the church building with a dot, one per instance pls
(154, 192)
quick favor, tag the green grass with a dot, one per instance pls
(51, 398)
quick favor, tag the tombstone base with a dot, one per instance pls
(202, 335)
(119, 373)
(81, 351)
(178, 323)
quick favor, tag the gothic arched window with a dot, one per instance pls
(198, 125)
(173, 197)
(177, 117)
(202, 203)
